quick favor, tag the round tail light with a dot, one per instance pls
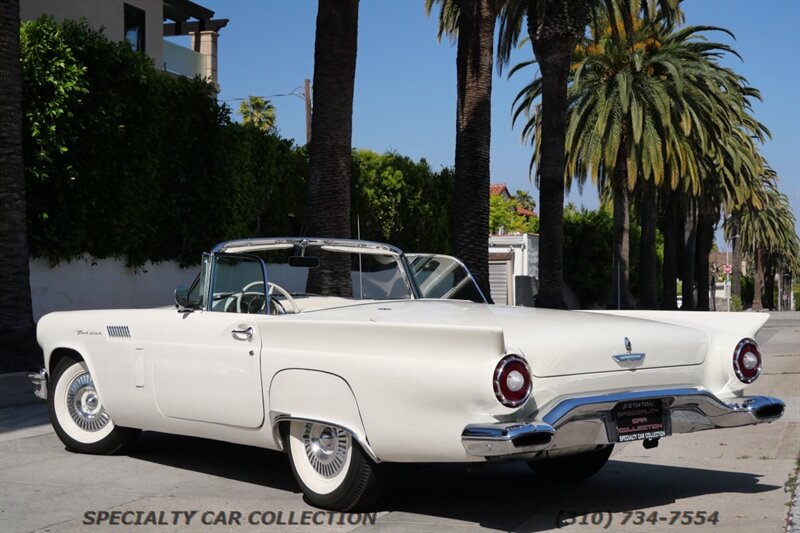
(747, 361)
(512, 381)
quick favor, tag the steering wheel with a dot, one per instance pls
(248, 301)
(271, 297)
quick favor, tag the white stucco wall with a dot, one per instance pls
(103, 284)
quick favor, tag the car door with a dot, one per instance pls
(445, 277)
(207, 365)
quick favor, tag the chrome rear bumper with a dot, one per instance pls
(491, 440)
(588, 421)
(39, 380)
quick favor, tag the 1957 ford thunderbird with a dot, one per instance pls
(406, 363)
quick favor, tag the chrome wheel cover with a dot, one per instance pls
(326, 448)
(83, 404)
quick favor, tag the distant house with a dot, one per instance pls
(501, 189)
(513, 260)
(145, 24)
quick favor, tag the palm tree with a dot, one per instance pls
(732, 166)
(473, 23)
(767, 235)
(555, 27)
(330, 150)
(18, 349)
(639, 105)
(258, 112)
(525, 200)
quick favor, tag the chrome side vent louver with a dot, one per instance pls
(119, 332)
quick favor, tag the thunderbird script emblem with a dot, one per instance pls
(628, 357)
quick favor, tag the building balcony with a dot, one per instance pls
(183, 61)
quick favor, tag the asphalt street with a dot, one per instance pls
(737, 477)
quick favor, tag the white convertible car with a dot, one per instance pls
(398, 366)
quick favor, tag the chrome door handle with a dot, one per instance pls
(243, 334)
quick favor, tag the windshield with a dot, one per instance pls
(336, 271)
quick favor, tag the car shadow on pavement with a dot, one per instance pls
(510, 497)
(232, 461)
(18, 417)
(505, 496)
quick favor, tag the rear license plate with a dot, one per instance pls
(640, 419)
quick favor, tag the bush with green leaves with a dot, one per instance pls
(503, 215)
(401, 201)
(587, 255)
(124, 161)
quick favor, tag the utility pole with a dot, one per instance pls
(307, 94)
(728, 278)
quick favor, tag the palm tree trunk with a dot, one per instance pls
(648, 260)
(330, 150)
(554, 32)
(670, 271)
(474, 61)
(689, 248)
(620, 273)
(18, 348)
(758, 278)
(705, 240)
(736, 259)
(769, 282)
(786, 289)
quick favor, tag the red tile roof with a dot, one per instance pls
(499, 188)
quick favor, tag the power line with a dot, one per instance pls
(297, 91)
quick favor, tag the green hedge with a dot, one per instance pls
(398, 200)
(125, 161)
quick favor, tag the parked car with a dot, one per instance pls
(330, 351)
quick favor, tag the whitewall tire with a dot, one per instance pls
(330, 467)
(77, 412)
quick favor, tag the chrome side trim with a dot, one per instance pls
(39, 380)
(276, 418)
(507, 438)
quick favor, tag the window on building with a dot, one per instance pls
(134, 27)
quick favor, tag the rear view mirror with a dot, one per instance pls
(303, 261)
(182, 297)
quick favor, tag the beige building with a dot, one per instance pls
(145, 24)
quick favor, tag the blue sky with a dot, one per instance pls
(405, 89)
